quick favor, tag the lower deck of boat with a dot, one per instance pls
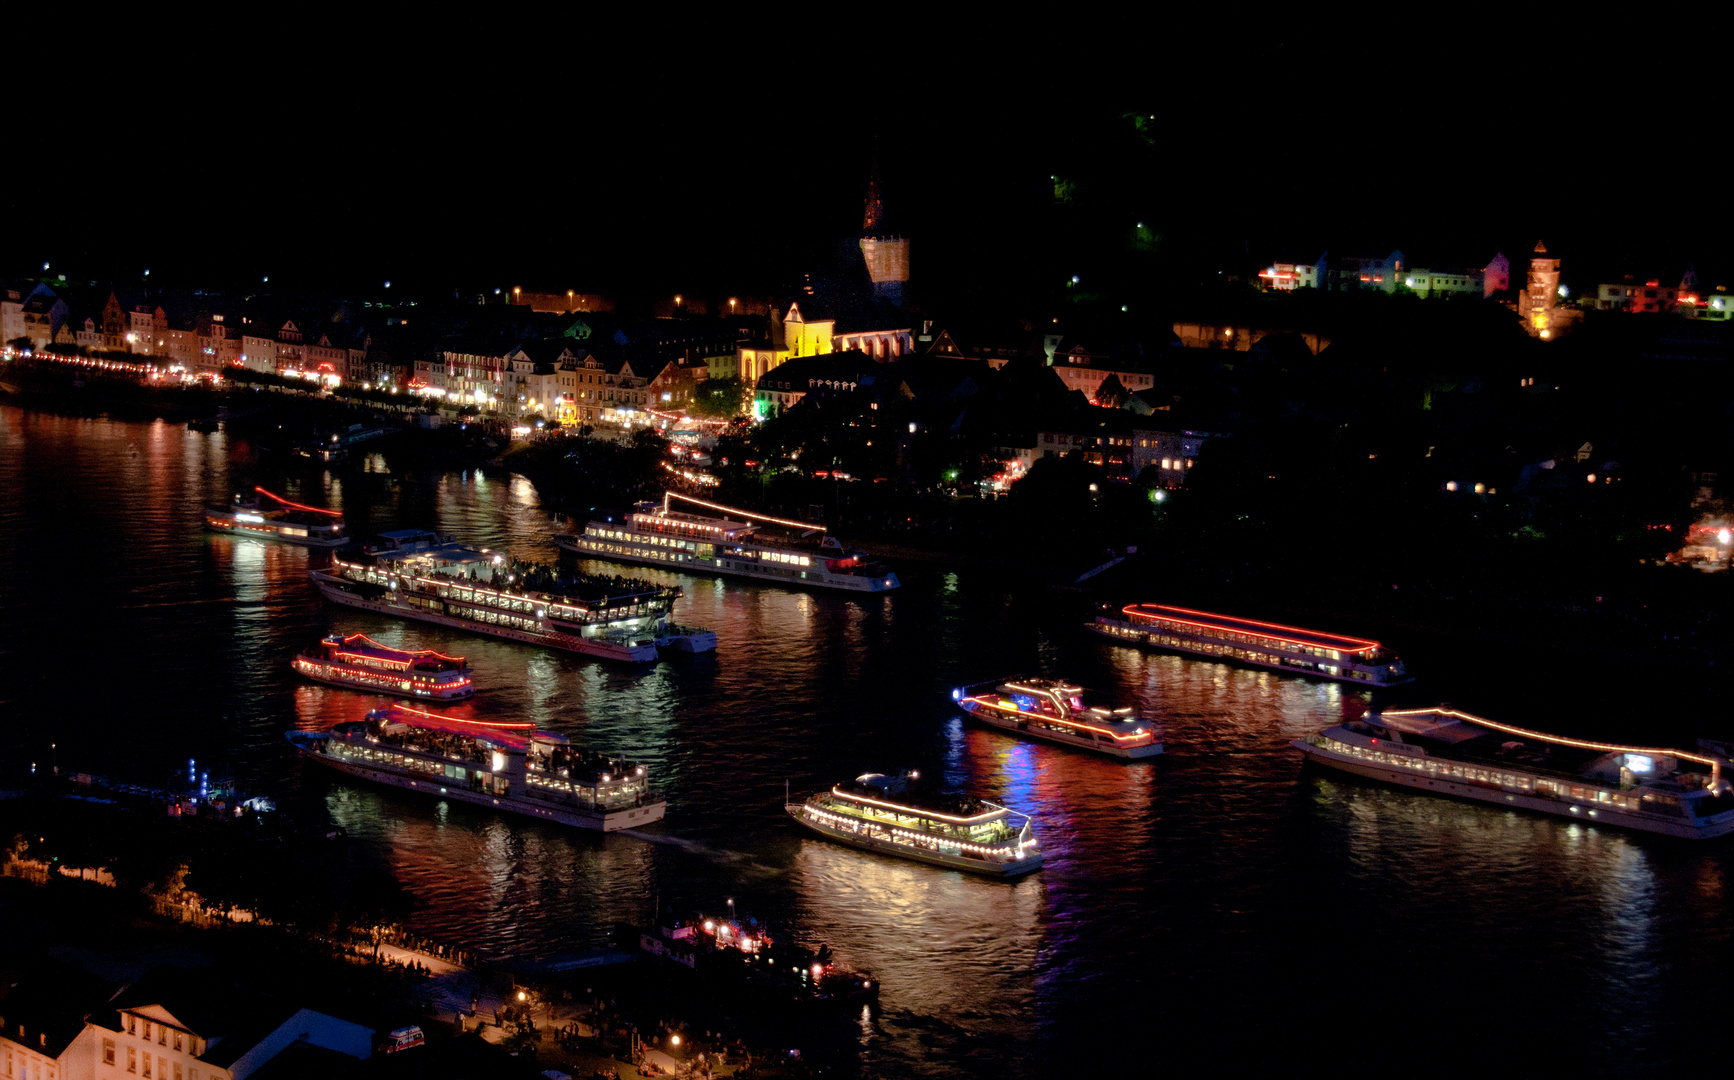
(869, 842)
(1036, 730)
(578, 818)
(613, 551)
(1134, 637)
(1590, 814)
(638, 654)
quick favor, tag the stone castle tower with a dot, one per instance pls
(1535, 305)
(886, 255)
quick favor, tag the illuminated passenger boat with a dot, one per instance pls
(695, 543)
(360, 663)
(1248, 641)
(290, 522)
(507, 766)
(889, 815)
(1058, 712)
(1453, 753)
(420, 575)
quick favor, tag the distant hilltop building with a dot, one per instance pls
(886, 255)
(1538, 305)
(1347, 273)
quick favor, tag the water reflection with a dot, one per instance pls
(493, 879)
(1179, 896)
(955, 955)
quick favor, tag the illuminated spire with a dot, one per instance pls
(873, 222)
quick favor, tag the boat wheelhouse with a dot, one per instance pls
(420, 575)
(890, 815)
(280, 519)
(508, 766)
(1056, 711)
(357, 662)
(1289, 649)
(757, 546)
(1441, 750)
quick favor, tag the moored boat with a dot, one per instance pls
(1289, 649)
(1447, 752)
(509, 766)
(893, 816)
(1056, 711)
(420, 575)
(358, 662)
(741, 952)
(755, 546)
(289, 522)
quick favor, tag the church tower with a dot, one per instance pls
(886, 254)
(1535, 305)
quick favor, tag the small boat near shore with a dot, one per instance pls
(357, 662)
(892, 815)
(280, 519)
(1447, 752)
(512, 767)
(739, 953)
(1289, 649)
(1056, 711)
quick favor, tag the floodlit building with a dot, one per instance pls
(1538, 305)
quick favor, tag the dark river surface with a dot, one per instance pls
(1219, 902)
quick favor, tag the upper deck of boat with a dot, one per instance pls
(1210, 622)
(1105, 715)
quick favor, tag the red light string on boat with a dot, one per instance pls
(1157, 610)
(406, 652)
(461, 720)
(296, 505)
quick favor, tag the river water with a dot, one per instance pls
(1218, 904)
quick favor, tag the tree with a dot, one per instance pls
(1112, 393)
(720, 398)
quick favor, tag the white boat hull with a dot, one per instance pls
(265, 533)
(599, 821)
(687, 563)
(869, 842)
(606, 650)
(1036, 731)
(1497, 796)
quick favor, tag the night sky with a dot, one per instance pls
(713, 168)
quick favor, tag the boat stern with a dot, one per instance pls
(687, 639)
(308, 742)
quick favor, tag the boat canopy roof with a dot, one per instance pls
(444, 554)
(499, 733)
(1206, 620)
(1442, 724)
